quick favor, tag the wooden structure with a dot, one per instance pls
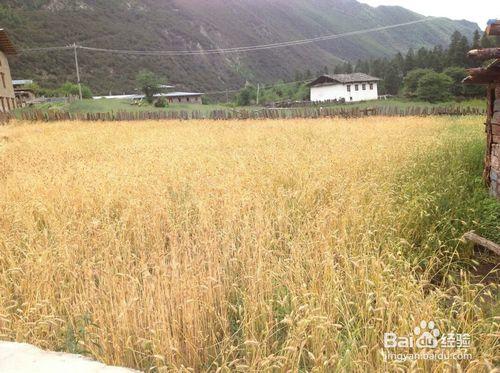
(7, 96)
(23, 91)
(489, 75)
(243, 114)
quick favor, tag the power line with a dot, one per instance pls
(170, 53)
(47, 49)
(263, 87)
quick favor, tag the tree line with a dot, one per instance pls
(428, 74)
(438, 72)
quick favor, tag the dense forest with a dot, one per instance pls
(448, 61)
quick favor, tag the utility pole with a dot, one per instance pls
(258, 93)
(75, 47)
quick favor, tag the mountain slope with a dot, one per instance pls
(205, 24)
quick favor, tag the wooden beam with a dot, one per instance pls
(484, 54)
(483, 242)
(483, 77)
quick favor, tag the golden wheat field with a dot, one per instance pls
(245, 246)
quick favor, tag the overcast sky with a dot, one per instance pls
(478, 11)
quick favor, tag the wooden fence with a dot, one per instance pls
(241, 114)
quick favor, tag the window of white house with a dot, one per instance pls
(371, 86)
(356, 87)
(348, 88)
(364, 87)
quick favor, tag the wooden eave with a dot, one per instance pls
(484, 75)
(6, 45)
(484, 54)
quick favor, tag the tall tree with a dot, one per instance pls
(409, 61)
(457, 51)
(476, 40)
(149, 84)
(486, 42)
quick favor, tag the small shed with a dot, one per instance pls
(489, 75)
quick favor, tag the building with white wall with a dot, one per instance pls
(344, 87)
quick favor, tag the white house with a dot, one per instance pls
(349, 87)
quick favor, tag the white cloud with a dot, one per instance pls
(478, 11)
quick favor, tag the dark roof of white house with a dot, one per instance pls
(343, 79)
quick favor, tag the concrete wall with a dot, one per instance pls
(349, 92)
(7, 97)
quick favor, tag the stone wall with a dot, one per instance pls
(494, 143)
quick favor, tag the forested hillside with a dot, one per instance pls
(205, 24)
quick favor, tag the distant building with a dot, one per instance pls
(172, 98)
(23, 92)
(344, 87)
(183, 97)
(7, 96)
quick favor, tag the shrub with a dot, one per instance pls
(434, 87)
(246, 96)
(410, 82)
(72, 89)
(161, 102)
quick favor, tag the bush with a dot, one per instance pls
(410, 82)
(458, 89)
(72, 89)
(161, 102)
(456, 74)
(246, 96)
(434, 87)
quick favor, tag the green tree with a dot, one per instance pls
(149, 84)
(476, 40)
(410, 82)
(71, 89)
(434, 87)
(458, 89)
(457, 52)
(348, 68)
(246, 96)
(410, 61)
(392, 79)
(486, 41)
(456, 74)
